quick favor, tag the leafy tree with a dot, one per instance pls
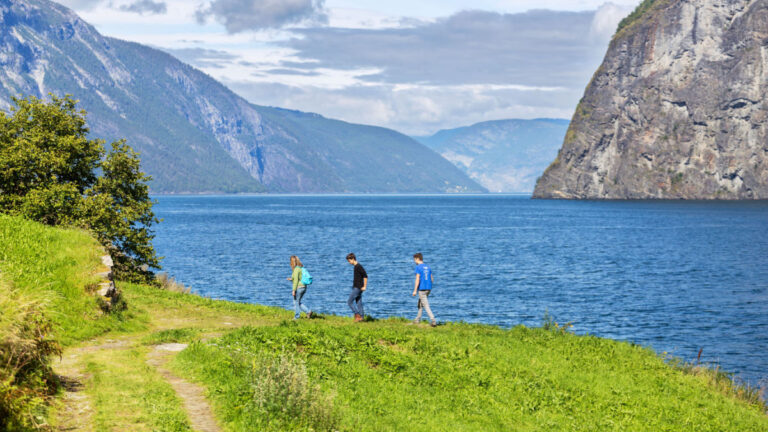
(119, 210)
(49, 172)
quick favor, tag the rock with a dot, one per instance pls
(107, 261)
(105, 275)
(677, 110)
(107, 289)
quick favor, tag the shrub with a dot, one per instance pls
(168, 283)
(26, 378)
(281, 389)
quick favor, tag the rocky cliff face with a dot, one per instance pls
(194, 134)
(678, 109)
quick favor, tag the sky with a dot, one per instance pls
(416, 66)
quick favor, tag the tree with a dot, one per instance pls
(49, 172)
(46, 160)
(119, 210)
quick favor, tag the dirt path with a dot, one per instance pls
(76, 411)
(197, 407)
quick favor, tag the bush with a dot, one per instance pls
(26, 378)
(170, 284)
(281, 389)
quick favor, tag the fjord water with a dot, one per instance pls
(676, 276)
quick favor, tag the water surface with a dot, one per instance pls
(676, 276)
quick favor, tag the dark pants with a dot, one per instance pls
(355, 301)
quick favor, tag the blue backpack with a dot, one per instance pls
(306, 278)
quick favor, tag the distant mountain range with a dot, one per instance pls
(502, 155)
(194, 134)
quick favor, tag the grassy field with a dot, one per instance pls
(261, 371)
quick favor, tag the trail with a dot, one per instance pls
(199, 411)
(76, 410)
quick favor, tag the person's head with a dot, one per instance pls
(295, 262)
(351, 258)
(418, 257)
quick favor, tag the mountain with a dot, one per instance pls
(502, 155)
(677, 110)
(194, 134)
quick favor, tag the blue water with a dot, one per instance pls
(676, 276)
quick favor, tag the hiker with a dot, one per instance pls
(423, 286)
(359, 284)
(301, 279)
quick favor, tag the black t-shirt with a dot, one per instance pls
(360, 274)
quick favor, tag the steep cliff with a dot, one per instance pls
(677, 110)
(194, 134)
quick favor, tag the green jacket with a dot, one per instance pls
(296, 277)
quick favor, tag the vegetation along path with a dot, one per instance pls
(172, 361)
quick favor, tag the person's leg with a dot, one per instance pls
(300, 295)
(360, 309)
(424, 301)
(296, 309)
(418, 314)
(352, 299)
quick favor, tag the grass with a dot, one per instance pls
(386, 376)
(128, 394)
(56, 268)
(264, 372)
(636, 14)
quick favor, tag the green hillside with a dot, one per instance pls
(261, 371)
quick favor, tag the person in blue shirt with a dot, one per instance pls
(423, 287)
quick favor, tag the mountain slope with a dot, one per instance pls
(194, 134)
(677, 109)
(502, 155)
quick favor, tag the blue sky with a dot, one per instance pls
(415, 66)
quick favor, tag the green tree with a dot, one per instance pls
(46, 160)
(119, 210)
(49, 172)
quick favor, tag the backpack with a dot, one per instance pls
(306, 278)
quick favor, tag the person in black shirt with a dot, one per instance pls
(359, 284)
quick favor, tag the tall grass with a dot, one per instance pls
(272, 392)
(26, 345)
(57, 265)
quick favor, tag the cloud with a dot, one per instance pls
(202, 57)
(148, 7)
(469, 67)
(537, 48)
(81, 4)
(242, 15)
(417, 110)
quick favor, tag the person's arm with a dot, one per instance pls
(432, 277)
(295, 277)
(365, 283)
(416, 285)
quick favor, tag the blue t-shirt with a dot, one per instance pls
(425, 279)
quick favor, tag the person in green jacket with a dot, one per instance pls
(299, 289)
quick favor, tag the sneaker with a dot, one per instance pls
(310, 315)
(433, 324)
(358, 317)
